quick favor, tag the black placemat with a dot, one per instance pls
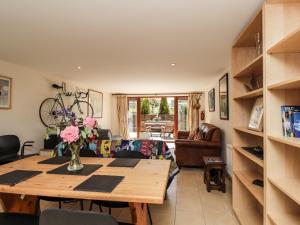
(87, 170)
(17, 176)
(100, 183)
(121, 162)
(55, 160)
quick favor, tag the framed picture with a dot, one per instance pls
(223, 97)
(256, 118)
(211, 100)
(5, 92)
(95, 98)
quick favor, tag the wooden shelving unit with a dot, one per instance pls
(288, 44)
(288, 186)
(285, 218)
(250, 156)
(248, 131)
(248, 199)
(254, 67)
(286, 140)
(246, 179)
(251, 94)
(285, 85)
(282, 87)
(277, 70)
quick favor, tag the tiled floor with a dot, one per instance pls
(188, 203)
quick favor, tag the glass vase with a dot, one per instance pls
(75, 164)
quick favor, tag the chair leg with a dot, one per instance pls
(81, 205)
(59, 204)
(91, 206)
(149, 213)
(38, 206)
(109, 211)
(100, 208)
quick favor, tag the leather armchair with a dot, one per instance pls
(190, 152)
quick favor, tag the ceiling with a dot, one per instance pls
(124, 44)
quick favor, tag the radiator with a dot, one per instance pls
(228, 158)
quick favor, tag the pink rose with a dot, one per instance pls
(70, 134)
(90, 122)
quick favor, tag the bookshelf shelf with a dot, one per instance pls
(254, 67)
(250, 156)
(289, 44)
(249, 216)
(284, 218)
(251, 94)
(247, 178)
(289, 186)
(248, 131)
(286, 140)
(289, 84)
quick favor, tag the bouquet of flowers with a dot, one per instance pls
(75, 136)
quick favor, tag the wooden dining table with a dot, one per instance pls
(143, 184)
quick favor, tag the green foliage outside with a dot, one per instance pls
(145, 109)
(164, 106)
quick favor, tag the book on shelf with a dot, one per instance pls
(290, 118)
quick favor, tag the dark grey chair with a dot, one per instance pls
(110, 205)
(9, 148)
(18, 219)
(68, 217)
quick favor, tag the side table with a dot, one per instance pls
(214, 173)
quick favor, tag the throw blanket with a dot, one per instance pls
(152, 149)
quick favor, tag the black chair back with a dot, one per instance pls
(130, 155)
(83, 153)
(104, 134)
(9, 147)
(68, 217)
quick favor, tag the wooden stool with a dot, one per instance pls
(214, 173)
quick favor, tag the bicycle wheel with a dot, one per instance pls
(82, 109)
(51, 112)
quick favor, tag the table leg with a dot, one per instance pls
(18, 204)
(139, 213)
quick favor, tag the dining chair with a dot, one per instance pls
(53, 216)
(18, 219)
(9, 148)
(83, 153)
(109, 204)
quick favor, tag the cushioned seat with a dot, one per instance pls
(18, 219)
(190, 147)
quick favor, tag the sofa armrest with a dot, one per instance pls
(183, 134)
(197, 144)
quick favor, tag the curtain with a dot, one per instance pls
(194, 110)
(122, 109)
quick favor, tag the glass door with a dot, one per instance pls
(133, 117)
(182, 113)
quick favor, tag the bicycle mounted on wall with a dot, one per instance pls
(53, 110)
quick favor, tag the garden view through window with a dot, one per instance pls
(158, 118)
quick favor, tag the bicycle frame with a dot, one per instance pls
(58, 98)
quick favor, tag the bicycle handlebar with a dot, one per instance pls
(77, 93)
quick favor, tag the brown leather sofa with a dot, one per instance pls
(191, 147)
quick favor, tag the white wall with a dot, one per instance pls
(214, 117)
(29, 88)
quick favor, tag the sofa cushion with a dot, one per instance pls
(207, 130)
